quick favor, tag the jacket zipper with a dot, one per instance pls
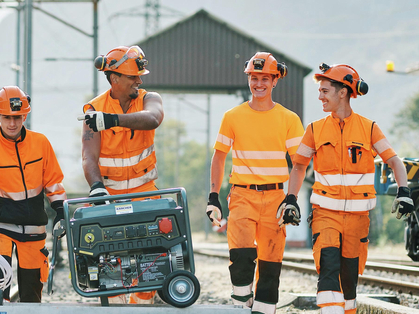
(21, 170)
(341, 162)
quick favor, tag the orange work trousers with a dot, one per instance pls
(340, 248)
(32, 267)
(254, 235)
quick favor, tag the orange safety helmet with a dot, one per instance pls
(124, 60)
(264, 62)
(14, 102)
(344, 74)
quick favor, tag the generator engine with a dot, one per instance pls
(124, 269)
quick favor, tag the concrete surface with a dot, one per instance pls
(71, 308)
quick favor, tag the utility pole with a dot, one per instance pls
(152, 12)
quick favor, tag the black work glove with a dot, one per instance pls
(403, 204)
(288, 211)
(214, 208)
(59, 209)
(98, 189)
(99, 121)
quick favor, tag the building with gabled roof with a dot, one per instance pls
(203, 54)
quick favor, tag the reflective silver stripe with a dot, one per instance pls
(382, 145)
(55, 192)
(242, 290)
(248, 154)
(342, 204)
(345, 179)
(224, 140)
(23, 229)
(350, 304)
(18, 196)
(263, 307)
(54, 188)
(57, 197)
(126, 162)
(265, 171)
(324, 297)
(132, 183)
(332, 310)
(305, 151)
(293, 142)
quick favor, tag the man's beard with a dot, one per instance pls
(133, 95)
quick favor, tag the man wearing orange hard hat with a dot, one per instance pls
(28, 170)
(260, 133)
(343, 146)
(118, 134)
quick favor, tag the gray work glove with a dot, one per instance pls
(214, 209)
(403, 204)
(288, 211)
(98, 189)
(99, 121)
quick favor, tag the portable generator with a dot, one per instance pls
(131, 243)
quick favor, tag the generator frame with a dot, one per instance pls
(185, 277)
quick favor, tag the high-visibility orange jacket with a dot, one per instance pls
(127, 157)
(343, 161)
(259, 141)
(28, 168)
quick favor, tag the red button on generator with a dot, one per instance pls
(165, 225)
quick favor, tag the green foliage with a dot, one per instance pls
(384, 227)
(406, 128)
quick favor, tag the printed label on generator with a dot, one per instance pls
(124, 209)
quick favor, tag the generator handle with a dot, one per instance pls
(181, 201)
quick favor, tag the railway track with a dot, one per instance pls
(304, 263)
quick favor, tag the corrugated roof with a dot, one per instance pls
(203, 54)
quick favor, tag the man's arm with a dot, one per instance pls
(297, 176)
(147, 119)
(217, 170)
(399, 170)
(214, 211)
(90, 155)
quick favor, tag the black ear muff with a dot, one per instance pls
(28, 98)
(283, 69)
(361, 87)
(100, 62)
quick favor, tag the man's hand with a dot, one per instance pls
(58, 207)
(288, 211)
(99, 121)
(214, 207)
(98, 189)
(403, 204)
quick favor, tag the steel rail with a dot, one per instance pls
(375, 281)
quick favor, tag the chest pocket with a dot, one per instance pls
(327, 155)
(358, 156)
(33, 171)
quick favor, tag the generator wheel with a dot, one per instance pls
(181, 288)
(160, 293)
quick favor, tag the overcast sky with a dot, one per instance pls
(361, 33)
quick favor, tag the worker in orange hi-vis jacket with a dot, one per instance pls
(28, 170)
(118, 134)
(343, 146)
(260, 132)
